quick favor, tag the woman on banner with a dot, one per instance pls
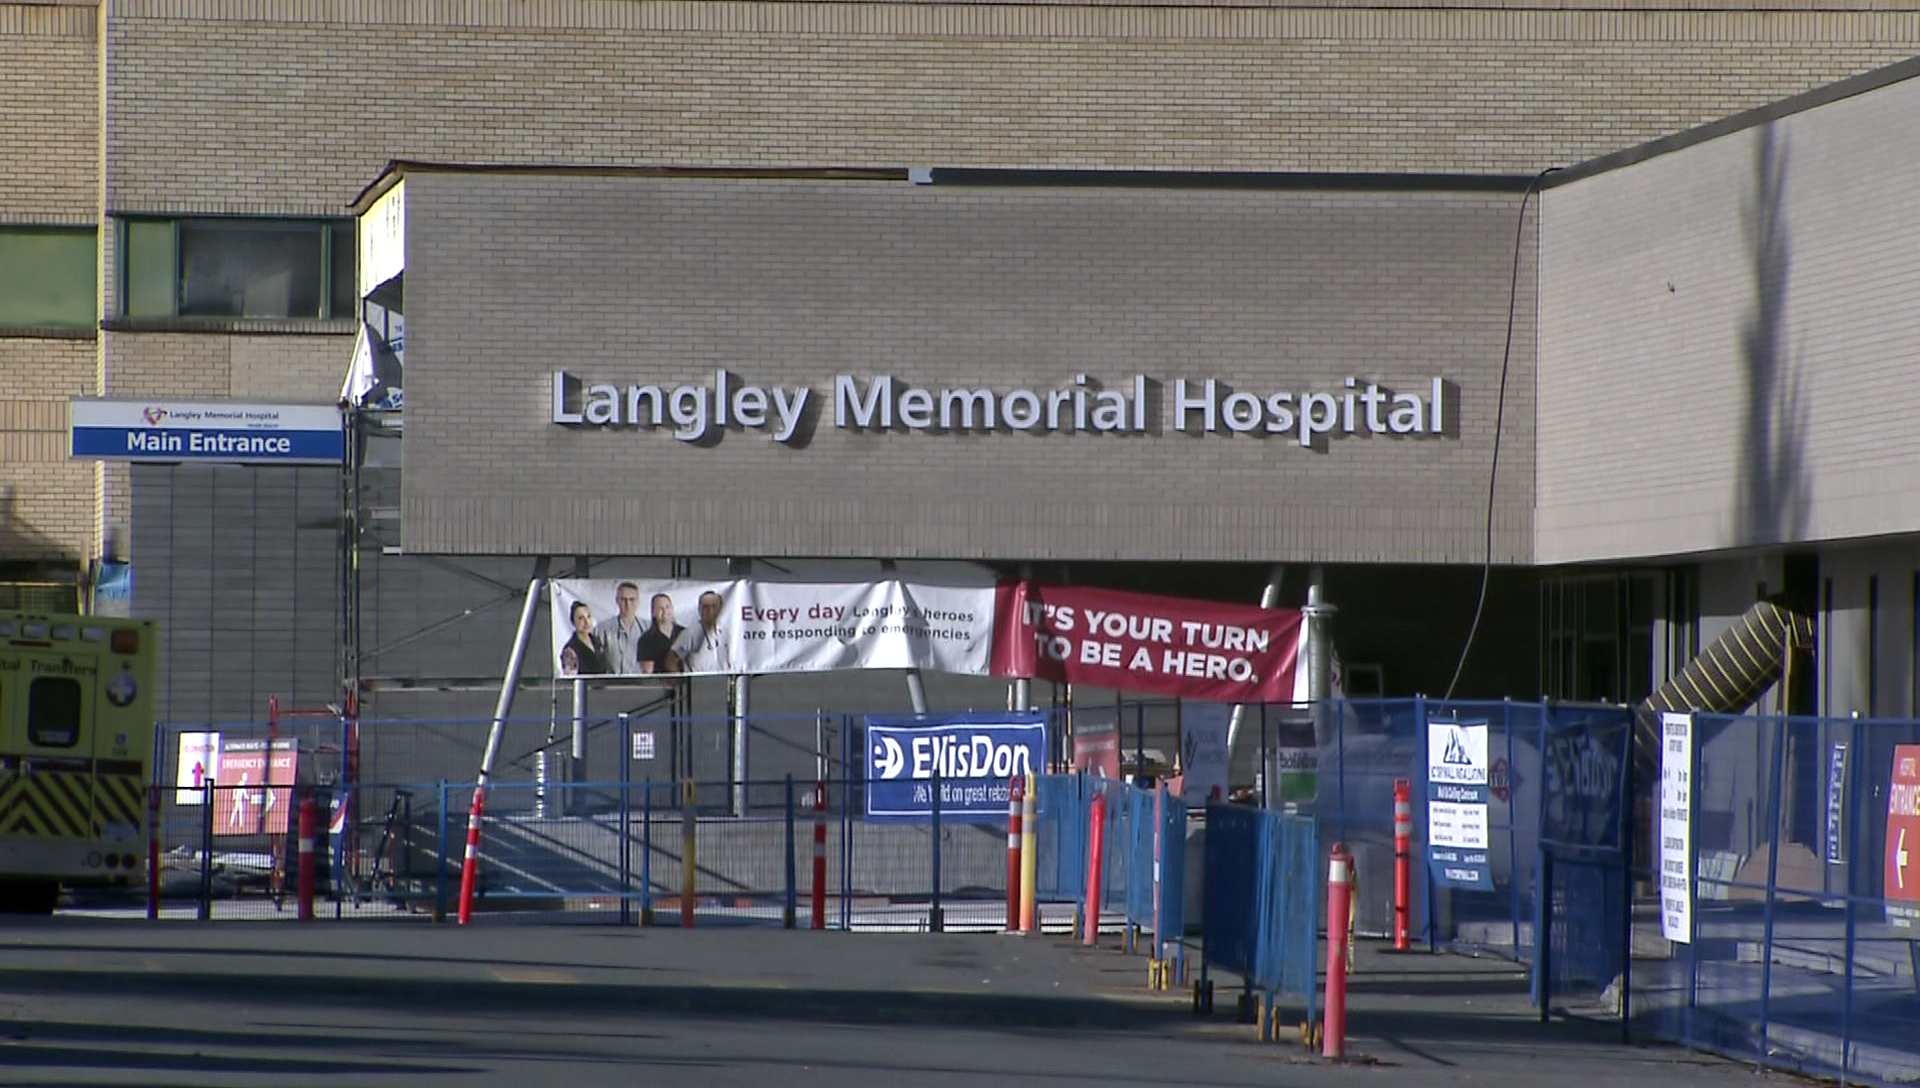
(580, 656)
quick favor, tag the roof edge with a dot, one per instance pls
(1897, 72)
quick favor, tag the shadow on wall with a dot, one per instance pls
(22, 544)
(1773, 498)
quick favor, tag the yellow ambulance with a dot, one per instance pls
(76, 752)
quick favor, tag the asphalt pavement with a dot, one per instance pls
(110, 1001)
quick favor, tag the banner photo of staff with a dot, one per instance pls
(646, 627)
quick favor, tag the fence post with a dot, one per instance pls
(790, 907)
(206, 848)
(935, 923)
(1159, 833)
(819, 920)
(1030, 854)
(1333, 1042)
(1854, 839)
(1016, 800)
(1543, 933)
(689, 844)
(304, 842)
(1773, 877)
(646, 852)
(440, 871)
(153, 852)
(626, 819)
(1096, 851)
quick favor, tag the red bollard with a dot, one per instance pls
(308, 821)
(153, 852)
(1096, 846)
(1402, 861)
(819, 855)
(471, 862)
(1333, 1041)
(1016, 800)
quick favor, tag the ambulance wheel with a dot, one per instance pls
(29, 896)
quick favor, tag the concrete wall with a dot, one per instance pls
(633, 279)
(1726, 340)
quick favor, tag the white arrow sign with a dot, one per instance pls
(1900, 860)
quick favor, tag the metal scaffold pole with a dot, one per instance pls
(508, 685)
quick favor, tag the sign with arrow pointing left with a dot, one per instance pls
(1902, 889)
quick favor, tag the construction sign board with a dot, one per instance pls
(1458, 780)
(252, 793)
(1902, 889)
(199, 760)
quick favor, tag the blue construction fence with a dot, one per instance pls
(1800, 943)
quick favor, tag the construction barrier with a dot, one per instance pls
(1261, 910)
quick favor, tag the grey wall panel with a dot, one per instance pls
(1727, 337)
(628, 279)
(237, 564)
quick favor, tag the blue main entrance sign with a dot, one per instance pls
(971, 756)
(214, 432)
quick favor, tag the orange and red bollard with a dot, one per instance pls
(1333, 1041)
(1402, 862)
(1096, 851)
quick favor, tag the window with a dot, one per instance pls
(237, 268)
(47, 277)
(53, 712)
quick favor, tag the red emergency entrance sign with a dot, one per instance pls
(252, 793)
(1902, 889)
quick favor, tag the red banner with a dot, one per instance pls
(1141, 642)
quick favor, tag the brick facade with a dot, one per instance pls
(286, 107)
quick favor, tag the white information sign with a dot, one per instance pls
(643, 745)
(1457, 781)
(199, 759)
(1676, 827)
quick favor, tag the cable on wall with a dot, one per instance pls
(1499, 426)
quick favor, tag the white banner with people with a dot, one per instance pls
(641, 627)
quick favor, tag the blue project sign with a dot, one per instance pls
(972, 758)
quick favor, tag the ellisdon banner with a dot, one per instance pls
(211, 432)
(967, 761)
(1106, 638)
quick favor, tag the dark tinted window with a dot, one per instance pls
(53, 712)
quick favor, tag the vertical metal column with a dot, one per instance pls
(741, 721)
(1319, 654)
(1268, 597)
(1023, 687)
(576, 753)
(916, 688)
(509, 684)
(741, 725)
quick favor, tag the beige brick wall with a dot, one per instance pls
(290, 369)
(46, 501)
(49, 114)
(307, 98)
(1727, 339)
